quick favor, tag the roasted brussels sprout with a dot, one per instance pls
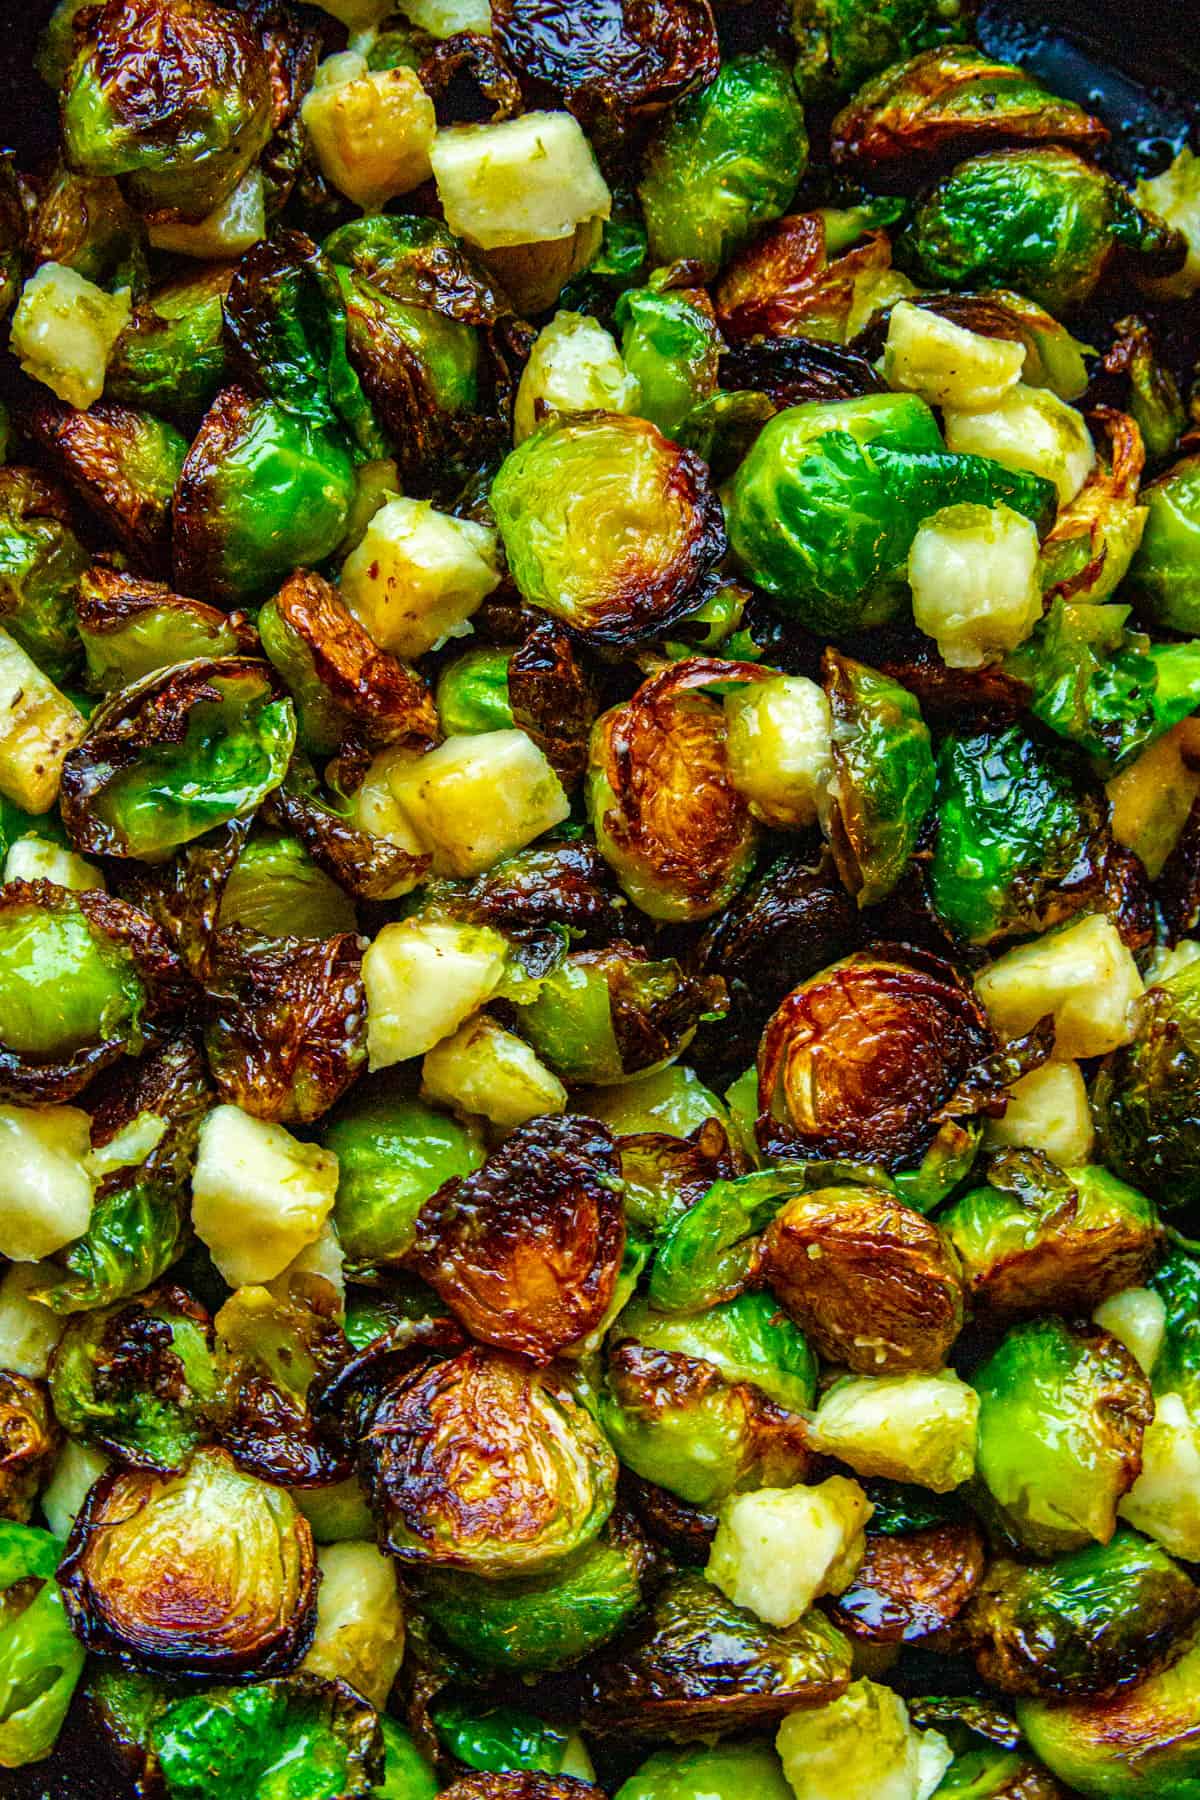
(182, 750)
(606, 1015)
(136, 1379)
(911, 1585)
(84, 976)
(1037, 1237)
(875, 1059)
(1147, 1097)
(883, 777)
(310, 1737)
(607, 524)
(825, 506)
(670, 347)
(41, 562)
(40, 1660)
(521, 1787)
(473, 693)
(709, 1772)
(790, 281)
(485, 1464)
(946, 104)
(124, 465)
(1091, 1622)
(1019, 837)
(840, 43)
(130, 627)
(699, 1662)
(29, 1443)
(172, 97)
(540, 1622)
(170, 358)
(275, 888)
(1163, 574)
(667, 816)
(210, 1571)
(261, 492)
(873, 1283)
(1062, 1411)
(1039, 220)
(727, 159)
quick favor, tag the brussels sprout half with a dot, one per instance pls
(883, 781)
(29, 1443)
(1147, 1097)
(40, 1659)
(124, 465)
(1163, 573)
(315, 1738)
(41, 561)
(170, 358)
(606, 1015)
(130, 627)
(709, 1772)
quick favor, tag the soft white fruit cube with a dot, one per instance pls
(1082, 975)
(946, 364)
(45, 1181)
(522, 181)
(862, 1745)
(418, 575)
(372, 129)
(446, 18)
(38, 726)
(64, 329)
(422, 978)
(1048, 1111)
(37, 859)
(973, 571)
(777, 1549)
(360, 1622)
(779, 745)
(1164, 1501)
(28, 1330)
(258, 1194)
(574, 366)
(479, 797)
(916, 1428)
(1138, 1316)
(486, 1070)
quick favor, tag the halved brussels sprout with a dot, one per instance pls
(170, 358)
(709, 1772)
(210, 1571)
(840, 43)
(393, 1153)
(182, 750)
(607, 524)
(82, 977)
(700, 1663)
(667, 816)
(1062, 1411)
(182, 143)
(946, 104)
(874, 1059)
(124, 465)
(131, 627)
(1090, 1622)
(826, 504)
(1163, 573)
(261, 493)
(1019, 843)
(318, 1739)
(606, 1015)
(911, 1585)
(883, 780)
(540, 1622)
(473, 693)
(790, 280)
(41, 561)
(486, 1464)
(1039, 220)
(1147, 1097)
(136, 1379)
(873, 1283)
(40, 1660)
(727, 160)
(526, 1251)
(29, 1442)
(1041, 1238)
(275, 889)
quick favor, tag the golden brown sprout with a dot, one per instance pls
(553, 699)
(29, 1439)
(526, 1251)
(211, 1572)
(783, 283)
(124, 466)
(911, 1585)
(873, 1283)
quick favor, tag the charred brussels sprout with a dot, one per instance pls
(171, 96)
(486, 1464)
(1163, 573)
(210, 1571)
(1061, 1417)
(667, 817)
(170, 358)
(130, 627)
(526, 1251)
(261, 492)
(840, 43)
(824, 508)
(707, 1405)
(727, 160)
(539, 1622)
(874, 1284)
(521, 1787)
(40, 1659)
(700, 1663)
(1147, 1098)
(1019, 836)
(911, 1585)
(712, 1772)
(1042, 221)
(606, 1015)
(873, 1060)
(41, 561)
(276, 889)
(1091, 1622)
(83, 976)
(185, 749)
(124, 465)
(607, 524)
(135, 1379)
(950, 103)
(1040, 1237)
(393, 1153)
(883, 777)
(29, 1442)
